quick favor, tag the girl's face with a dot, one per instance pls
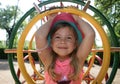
(63, 42)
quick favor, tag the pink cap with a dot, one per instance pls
(63, 17)
(68, 18)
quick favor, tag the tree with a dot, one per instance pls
(111, 10)
(8, 18)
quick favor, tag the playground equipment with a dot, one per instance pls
(106, 47)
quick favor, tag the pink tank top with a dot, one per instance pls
(62, 68)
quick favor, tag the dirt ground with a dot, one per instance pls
(6, 77)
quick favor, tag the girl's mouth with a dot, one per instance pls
(62, 47)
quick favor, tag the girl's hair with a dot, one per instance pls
(74, 60)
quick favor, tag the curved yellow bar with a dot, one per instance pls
(31, 60)
(106, 46)
(91, 63)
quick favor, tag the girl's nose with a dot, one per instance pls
(63, 40)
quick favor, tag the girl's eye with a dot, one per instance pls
(56, 38)
(69, 38)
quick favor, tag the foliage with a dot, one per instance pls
(2, 44)
(9, 17)
(111, 10)
(2, 54)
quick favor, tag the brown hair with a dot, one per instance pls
(74, 60)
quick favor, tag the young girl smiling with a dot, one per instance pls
(62, 51)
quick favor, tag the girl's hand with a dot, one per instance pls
(51, 16)
(76, 18)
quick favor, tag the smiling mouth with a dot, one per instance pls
(62, 47)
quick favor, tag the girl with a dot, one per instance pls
(63, 55)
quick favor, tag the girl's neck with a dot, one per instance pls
(61, 59)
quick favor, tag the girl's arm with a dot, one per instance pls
(42, 33)
(89, 36)
(41, 42)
